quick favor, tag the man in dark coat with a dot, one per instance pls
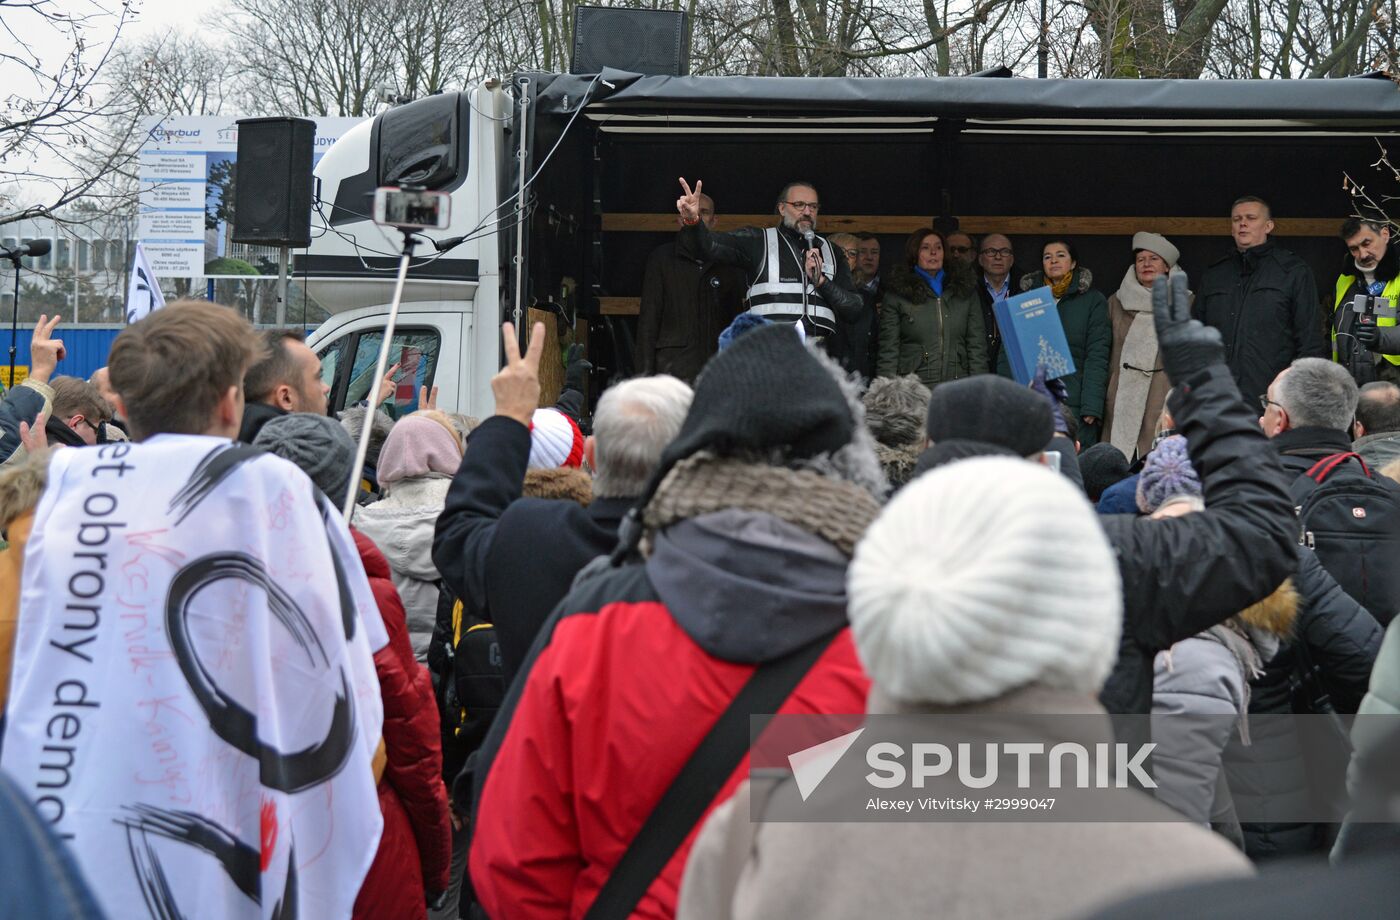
(686, 303)
(995, 260)
(1263, 299)
(23, 404)
(514, 557)
(287, 379)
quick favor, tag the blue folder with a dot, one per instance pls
(1032, 335)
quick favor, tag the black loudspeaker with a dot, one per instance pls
(640, 41)
(272, 189)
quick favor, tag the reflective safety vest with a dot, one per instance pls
(777, 291)
(1391, 292)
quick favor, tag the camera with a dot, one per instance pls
(1370, 308)
(412, 209)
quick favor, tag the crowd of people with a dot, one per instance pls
(516, 683)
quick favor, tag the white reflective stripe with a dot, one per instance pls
(814, 310)
(793, 288)
(770, 244)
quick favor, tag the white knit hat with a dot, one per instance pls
(555, 441)
(981, 577)
(1155, 242)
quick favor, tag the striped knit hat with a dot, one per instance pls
(555, 441)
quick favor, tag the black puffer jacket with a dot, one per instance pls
(1270, 775)
(1184, 575)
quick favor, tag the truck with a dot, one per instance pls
(561, 184)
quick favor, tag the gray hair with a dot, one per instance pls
(1318, 393)
(353, 419)
(634, 422)
(896, 408)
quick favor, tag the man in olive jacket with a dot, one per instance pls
(1263, 299)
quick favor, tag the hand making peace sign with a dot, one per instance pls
(689, 203)
(517, 385)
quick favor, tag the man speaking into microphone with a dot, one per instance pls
(793, 274)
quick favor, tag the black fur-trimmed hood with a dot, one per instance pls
(1082, 283)
(904, 282)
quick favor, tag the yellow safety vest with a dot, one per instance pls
(1391, 292)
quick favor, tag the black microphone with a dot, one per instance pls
(32, 249)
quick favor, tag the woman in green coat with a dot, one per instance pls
(931, 318)
(1084, 315)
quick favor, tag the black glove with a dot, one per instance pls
(1383, 340)
(1188, 347)
(576, 367)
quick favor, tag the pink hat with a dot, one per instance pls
(555, 441)
(417, 446)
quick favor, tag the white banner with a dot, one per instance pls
(194, 706)
(144, 295)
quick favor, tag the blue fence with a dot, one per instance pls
(86, 346)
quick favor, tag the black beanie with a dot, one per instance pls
(764, 392)
(1102, 465)
(993, 410)
(948, 451)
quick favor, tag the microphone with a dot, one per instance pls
(807, 235)
(32, 249)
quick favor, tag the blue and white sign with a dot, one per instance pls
(186, 170)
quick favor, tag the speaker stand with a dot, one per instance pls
(284, 256)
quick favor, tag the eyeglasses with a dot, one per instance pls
(997, 253)
(959, 248)
(1265, 402)
(812, 206)
(851, 253)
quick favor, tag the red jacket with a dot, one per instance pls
(415, 851)
(611, 707)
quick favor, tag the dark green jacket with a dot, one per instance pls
(938, 338)
(1084, 314)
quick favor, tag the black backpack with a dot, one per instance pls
(1352, 522)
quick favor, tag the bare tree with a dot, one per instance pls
(53, 102)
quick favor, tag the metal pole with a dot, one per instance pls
(14, 328)
(75, 287)
(520, 155)
(283, 258)
(380, 368)
(1043, 52)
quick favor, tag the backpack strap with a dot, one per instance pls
(1324, 467)
(694, 789)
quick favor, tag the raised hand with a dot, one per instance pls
(34, 439)
(689, 203)
(517, 385)
(1188, 347)
(387, 386)
(45, 351)
(427, 399)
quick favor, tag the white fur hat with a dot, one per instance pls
(1155, 242)
(981, 577)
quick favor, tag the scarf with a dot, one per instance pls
(1138, 364)
(837, 511)
(1058, 288)
(934, 281)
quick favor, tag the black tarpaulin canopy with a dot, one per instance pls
(1360, 103)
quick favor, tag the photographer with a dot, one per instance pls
(1369, 350)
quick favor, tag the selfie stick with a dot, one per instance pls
(380, 368)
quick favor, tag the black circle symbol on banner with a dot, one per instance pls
(285, 772)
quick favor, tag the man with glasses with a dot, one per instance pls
(790, 280)
(961, 247)
(853, 345)
(78, 413)
(994, 258)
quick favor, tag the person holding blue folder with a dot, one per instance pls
(1084, 316)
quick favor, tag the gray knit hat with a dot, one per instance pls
(318, 444)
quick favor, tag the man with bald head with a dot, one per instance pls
(997, 275)
(685, 305)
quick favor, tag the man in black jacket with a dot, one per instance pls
(996, 275)
(1263, 299)
(288, 379)
(514, 558)
(781, 268)
(1183, 575)
(686, 303)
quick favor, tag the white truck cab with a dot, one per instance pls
(452, 142)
